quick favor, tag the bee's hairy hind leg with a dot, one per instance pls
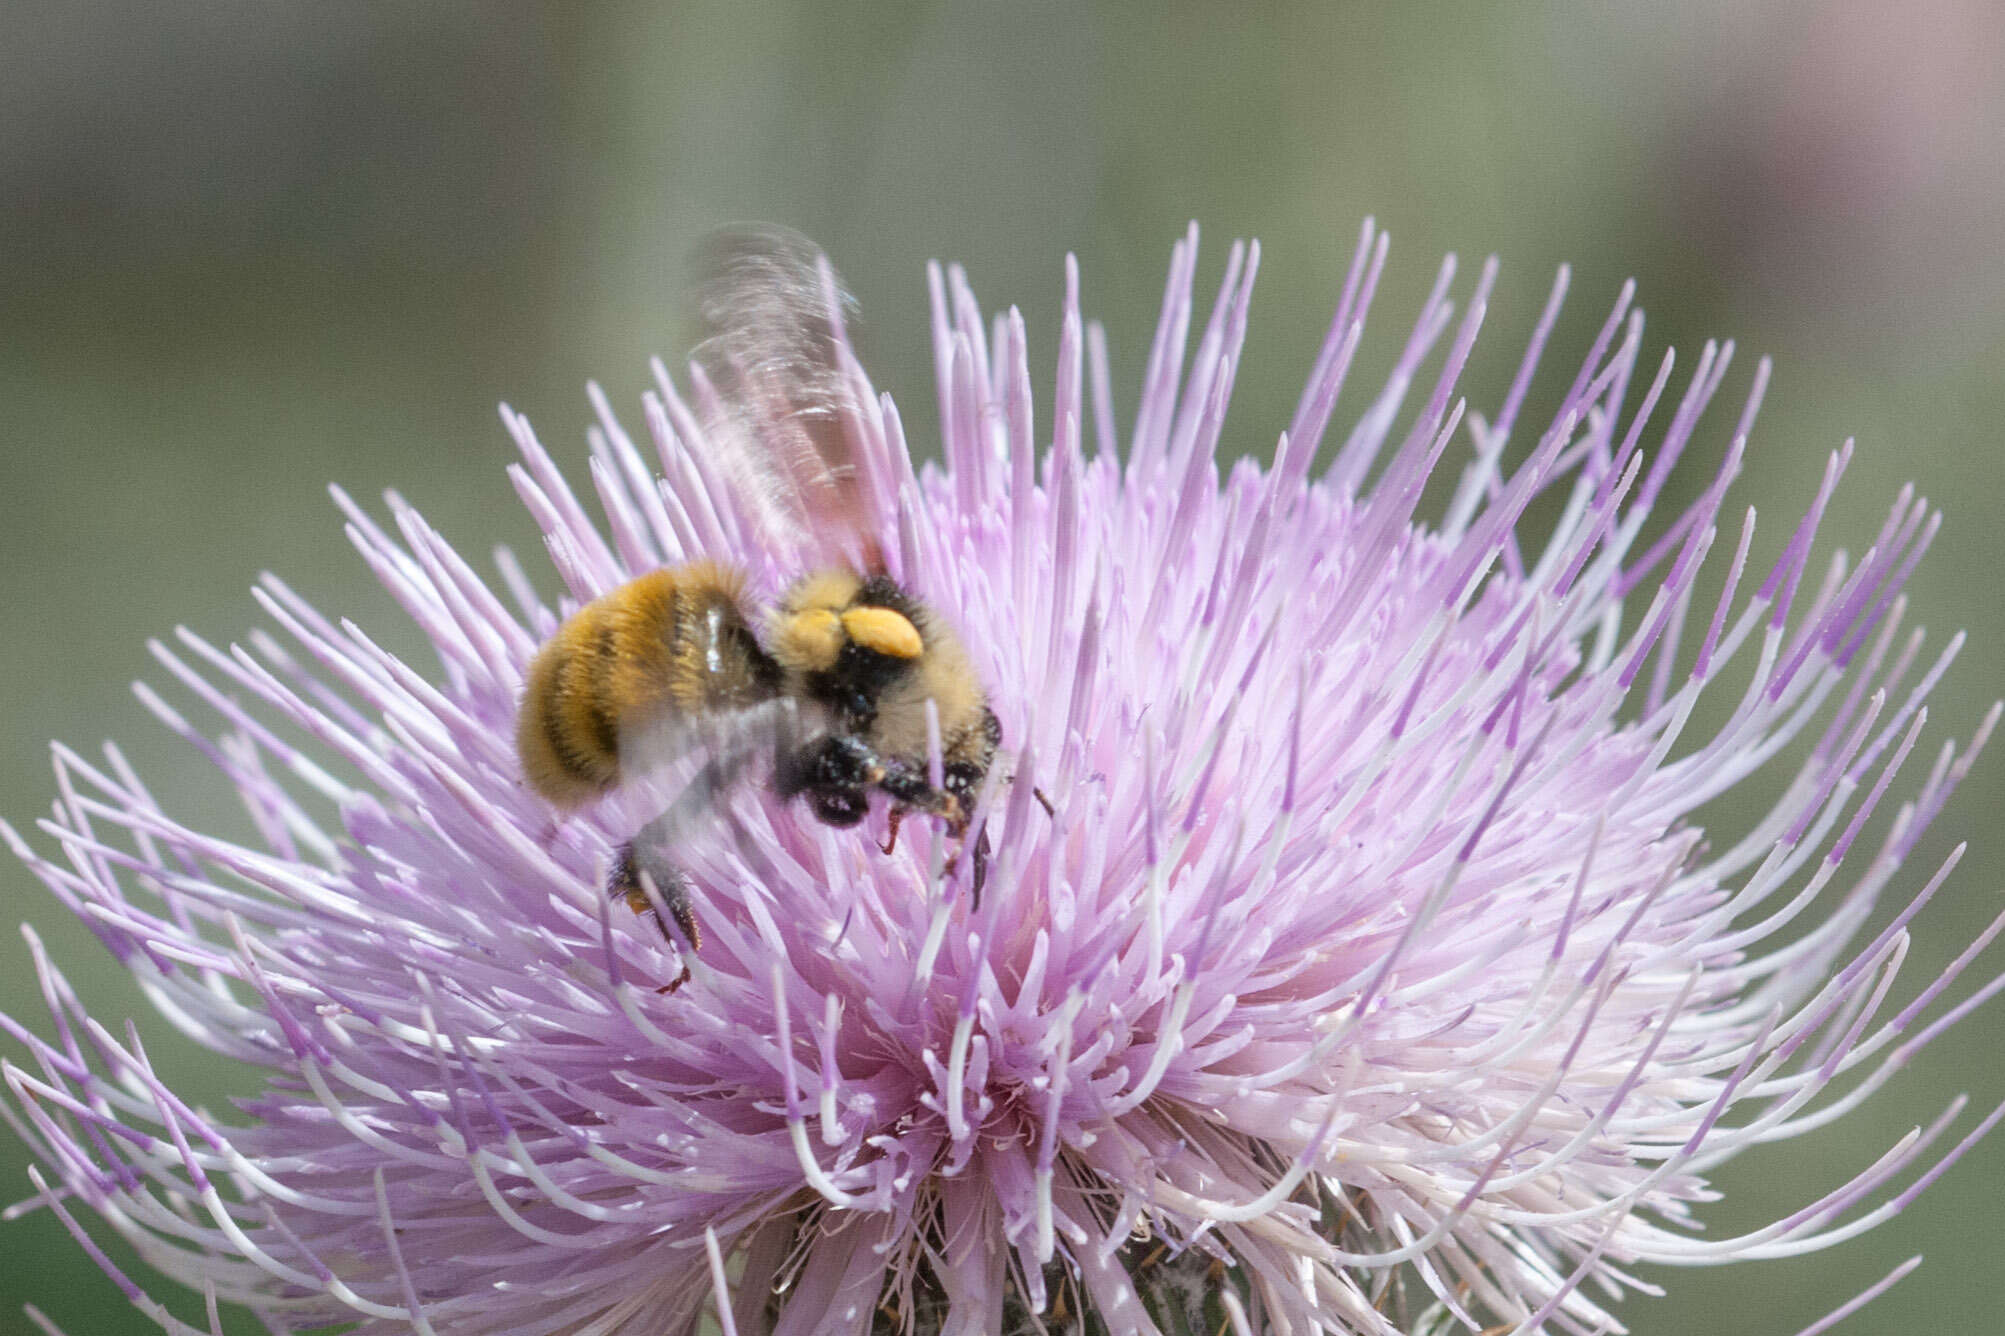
(892, 820)
(671, 885)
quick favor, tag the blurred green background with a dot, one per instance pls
(248, 249)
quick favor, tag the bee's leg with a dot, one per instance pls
(953, 802)
(892, 820)
(671, 885)
(642, 855)
(963, 782)
(908, 785)
(979, 872)
(910, 790)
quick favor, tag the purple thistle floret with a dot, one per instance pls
(1370, 972)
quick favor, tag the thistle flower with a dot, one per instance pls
(1371, 971)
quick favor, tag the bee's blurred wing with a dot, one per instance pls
(787, 431)
(693, 761)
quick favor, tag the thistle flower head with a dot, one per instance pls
(1370, 970)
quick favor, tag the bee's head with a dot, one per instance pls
(845, 640)
(886, 673)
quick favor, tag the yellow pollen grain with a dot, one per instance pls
(884, 631)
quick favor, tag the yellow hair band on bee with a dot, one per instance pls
(883, 630)
(818, 635)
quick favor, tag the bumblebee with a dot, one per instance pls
(836, 688)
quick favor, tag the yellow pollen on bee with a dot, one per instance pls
(882, 630)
